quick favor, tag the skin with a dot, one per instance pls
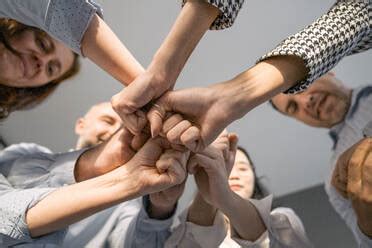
(218, 191)
(39, 60)
(191, 24)
(211, 109)
(151, 166)
(324, 104)
(98, 125)
(352, 179)
(241, 179)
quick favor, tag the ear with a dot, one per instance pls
(79, 126)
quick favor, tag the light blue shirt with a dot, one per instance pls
(29, 172)
(346, 134)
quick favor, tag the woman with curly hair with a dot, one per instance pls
(77, 26)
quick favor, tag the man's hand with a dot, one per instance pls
(156, 167)
(352, 178)
(206, 108)
(118, 150)
(128, 103)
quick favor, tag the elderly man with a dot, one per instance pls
(348, 114)
(32, 177)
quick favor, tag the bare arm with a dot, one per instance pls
(105, 49)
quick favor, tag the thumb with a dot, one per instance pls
(157, 114)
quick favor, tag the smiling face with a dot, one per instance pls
(324, 104)
(38, 60)
(241, 179)
(98, 125)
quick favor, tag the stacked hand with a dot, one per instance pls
(352, 178)
(211, 169)
(156, 167)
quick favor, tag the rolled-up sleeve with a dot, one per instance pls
(65, 20)
(28, 165)
(14, 205)
(229, 10)
(284, 228)
(344, 30)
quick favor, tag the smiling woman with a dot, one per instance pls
(32, 65)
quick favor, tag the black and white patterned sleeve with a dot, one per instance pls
(229, 10)
(344, 30)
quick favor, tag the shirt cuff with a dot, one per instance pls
(325, 42)
(68, 20)
(229, 10)
(14, 206)
(62, 170)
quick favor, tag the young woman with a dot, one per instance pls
(78, 27)
(231, 211)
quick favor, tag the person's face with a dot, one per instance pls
(98, 125)
(40, 59)
(241, 179)
(324, 104)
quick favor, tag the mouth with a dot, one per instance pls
(234, 187)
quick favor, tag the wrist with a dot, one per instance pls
(84, 169)
(260, 83)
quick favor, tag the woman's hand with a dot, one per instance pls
(211, 172)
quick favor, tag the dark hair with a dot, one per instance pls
(12, 98)
(260, 191)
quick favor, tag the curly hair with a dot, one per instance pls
(12, 98)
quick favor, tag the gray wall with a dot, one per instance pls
(291, 155)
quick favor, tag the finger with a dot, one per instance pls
(206, 162)
(156, 115)
(355, 168)
(192, 165)
(151, 150)
(190, 138)
(135, 122)
(139, 140)
(173, 163)
(171, 122)
(367, 174)
(233, 140)
(174, 135)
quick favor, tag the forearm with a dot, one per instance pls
(105, 49)
(244, 217)
(83, 199)
(259, 84)
(201, 213)
(194, 20)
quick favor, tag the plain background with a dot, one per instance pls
(290, 155)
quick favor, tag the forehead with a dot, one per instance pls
(281, 100)
(102, 109)
(241, 158)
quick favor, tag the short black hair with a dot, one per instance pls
(260, 191)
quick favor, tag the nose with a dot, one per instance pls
(308, 102)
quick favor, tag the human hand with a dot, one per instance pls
(207, 112)
(156, 167)
(352, 178)
(129, 102)
(211, 172)
(105, 157)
